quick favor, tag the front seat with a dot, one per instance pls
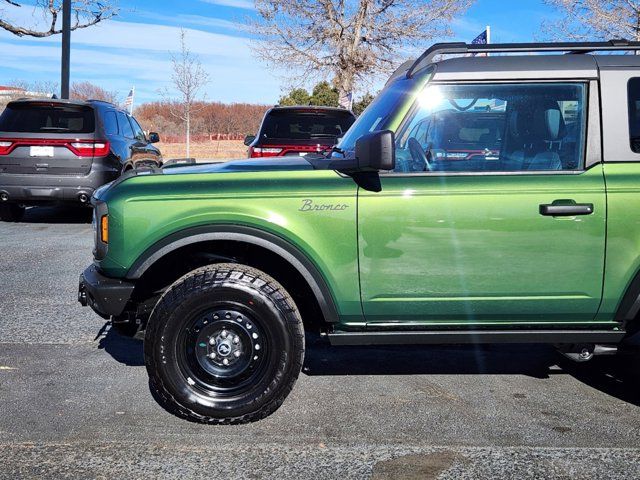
(548, 129)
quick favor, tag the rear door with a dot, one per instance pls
(46, 138)
(513, 237)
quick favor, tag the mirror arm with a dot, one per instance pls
(369, 181)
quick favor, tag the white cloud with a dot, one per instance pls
(246, 4)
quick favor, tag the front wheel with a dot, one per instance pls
(224, 344)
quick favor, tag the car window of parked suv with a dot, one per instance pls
(303, 124)
(138, 133)
(31, 117)
(124, 126)
(501, 127)
(110, 123)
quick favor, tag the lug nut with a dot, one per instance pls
(224, 334)
(212, 356)
(212, 341)
(236, 340)
(237, 353)
(225, 361)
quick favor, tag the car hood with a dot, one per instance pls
(245, 165)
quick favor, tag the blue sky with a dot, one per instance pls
(133, 49)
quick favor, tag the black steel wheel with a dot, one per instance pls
(224, 344)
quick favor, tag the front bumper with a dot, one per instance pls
(106, 296)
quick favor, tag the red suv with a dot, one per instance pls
(299, 131)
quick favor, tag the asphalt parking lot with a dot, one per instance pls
(74, 399)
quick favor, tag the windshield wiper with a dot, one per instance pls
(56, 129)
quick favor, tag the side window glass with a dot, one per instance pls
(494, 128)
(124, 126)
(633, 89)
(138, 133)
(110, 123)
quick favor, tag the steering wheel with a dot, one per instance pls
(418, 155)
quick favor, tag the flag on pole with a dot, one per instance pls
(483, 39)
(128, 103)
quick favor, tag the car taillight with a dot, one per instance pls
(5, 147)
(265, 152)
(90, 149)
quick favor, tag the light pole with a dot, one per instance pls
(66, 48)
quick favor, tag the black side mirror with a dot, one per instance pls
(376, 151)
(154, 137)
(248, 140)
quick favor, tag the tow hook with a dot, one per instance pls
(82, 297)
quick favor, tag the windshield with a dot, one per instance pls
(381, 113)
(289, 124)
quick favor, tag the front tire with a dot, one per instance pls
(224, 344)
(11, 212)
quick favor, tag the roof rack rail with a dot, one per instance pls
(461, 48)
(95, 100)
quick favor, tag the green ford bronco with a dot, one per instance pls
(478, 199)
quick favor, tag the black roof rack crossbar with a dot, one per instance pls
(461, 48)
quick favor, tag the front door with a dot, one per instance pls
(491, 217)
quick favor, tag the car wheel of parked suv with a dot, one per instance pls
(224, 344)
(11, 212)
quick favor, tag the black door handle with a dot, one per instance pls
(566, 210)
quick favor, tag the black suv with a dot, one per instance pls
(60, 151)
(299, 131)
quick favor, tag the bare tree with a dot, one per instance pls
(84, 13)
(42, 87)
(351, 40)
(589, 19)
(188, 77)
(91, 91)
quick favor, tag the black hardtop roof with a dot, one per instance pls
(574, 62)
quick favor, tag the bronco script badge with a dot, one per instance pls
(309, 205)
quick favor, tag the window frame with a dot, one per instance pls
(591, 151)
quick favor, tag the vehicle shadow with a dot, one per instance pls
(57, 214)
(615, 376)
(123, 349)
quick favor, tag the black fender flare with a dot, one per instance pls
(245, 234)
(629, 306)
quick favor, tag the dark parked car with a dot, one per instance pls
(299, 131)
(60, 151)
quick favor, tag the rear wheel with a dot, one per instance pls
(11, 212)
(224, 344)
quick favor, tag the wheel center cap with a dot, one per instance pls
(224, 349)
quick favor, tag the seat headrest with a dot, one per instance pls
(548, 123)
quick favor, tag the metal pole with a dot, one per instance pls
(66, 48)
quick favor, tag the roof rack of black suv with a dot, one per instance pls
(94, 100)
(459, 48)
